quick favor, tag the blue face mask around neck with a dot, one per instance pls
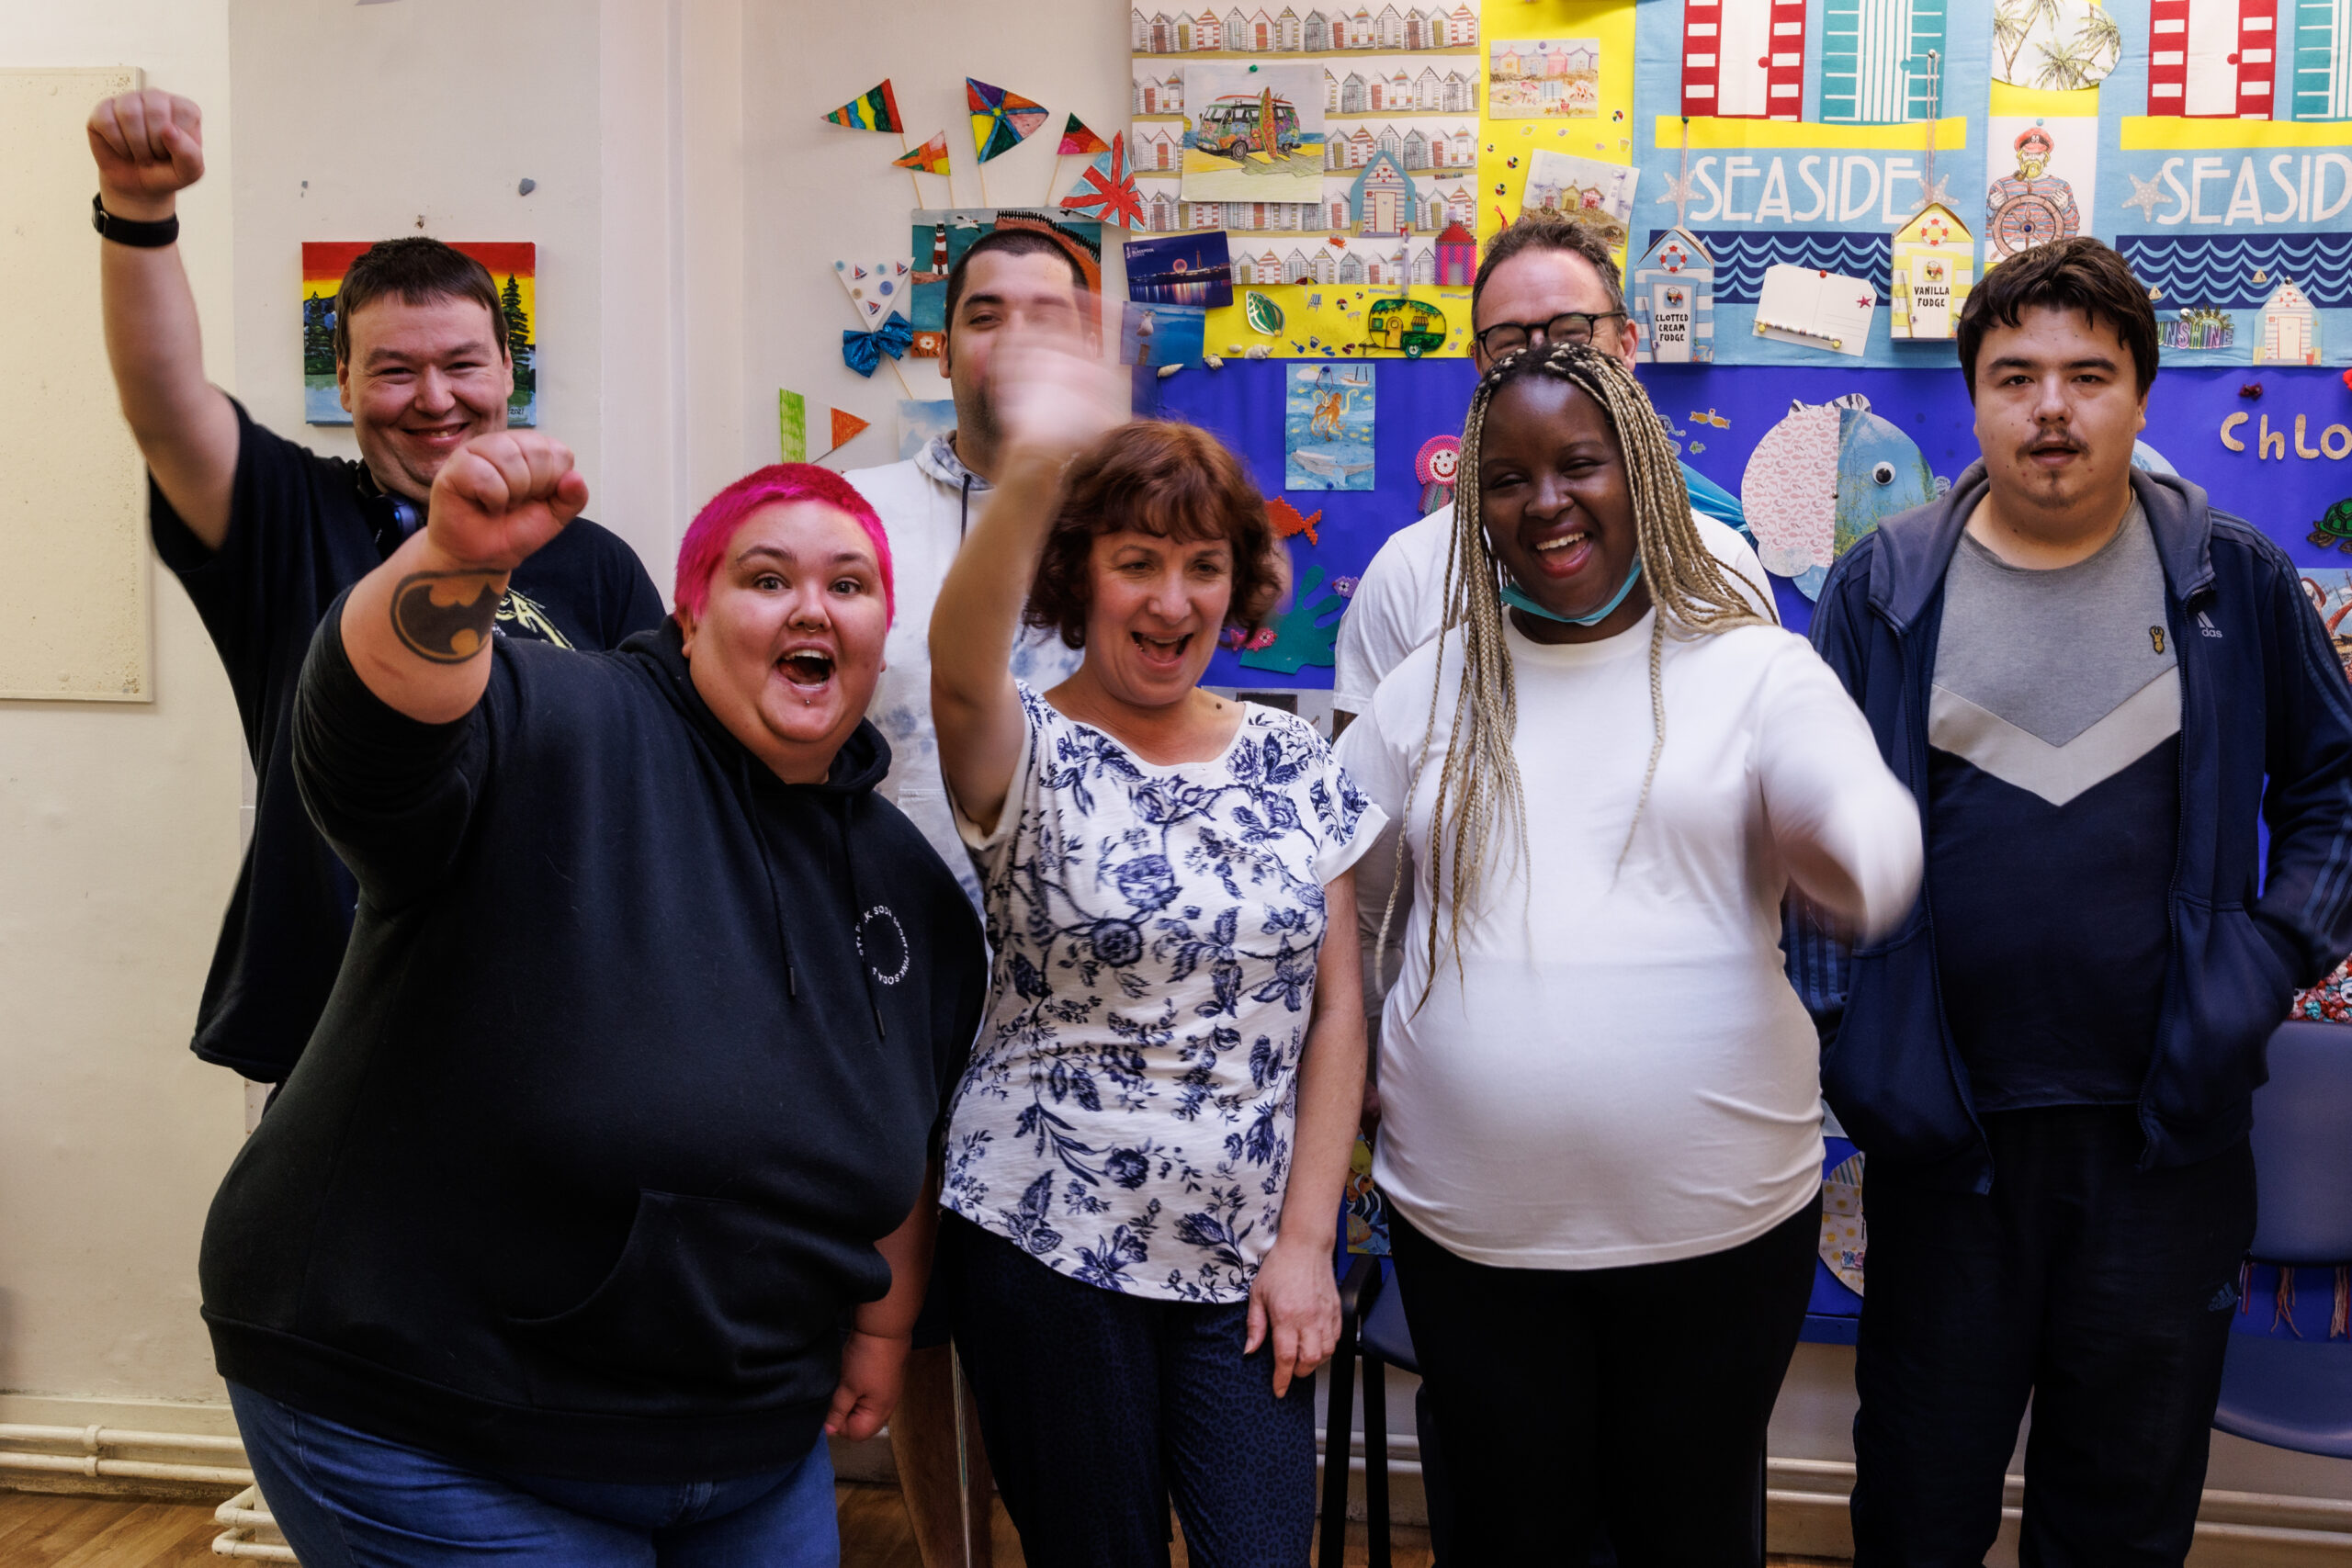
(1519, 600)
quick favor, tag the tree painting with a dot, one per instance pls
(518, 340)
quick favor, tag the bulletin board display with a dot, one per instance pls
(2283, 460)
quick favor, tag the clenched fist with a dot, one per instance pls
(149, 145)
(501, 497)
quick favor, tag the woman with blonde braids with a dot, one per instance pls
(1601, 1136)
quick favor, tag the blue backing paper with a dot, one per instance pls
(2284, 493)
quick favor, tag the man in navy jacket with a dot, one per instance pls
(2100, 689)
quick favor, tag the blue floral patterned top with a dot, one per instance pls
(1128, 1113)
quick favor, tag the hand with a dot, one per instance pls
(1295, 1300)
(149, 145)
(502, 496)
(1052, 397)
(874, 1370)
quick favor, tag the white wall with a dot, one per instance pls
(119, 840)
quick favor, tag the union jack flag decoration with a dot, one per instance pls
(1106, 189)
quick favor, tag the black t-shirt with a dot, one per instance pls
(302, 529)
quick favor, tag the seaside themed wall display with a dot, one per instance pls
(1805, 134)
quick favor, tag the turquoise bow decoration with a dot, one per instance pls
(863, 352)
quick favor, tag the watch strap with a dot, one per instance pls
(130, 232)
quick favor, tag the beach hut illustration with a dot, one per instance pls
(1457, 256)
(2288, 330)
(1380, 203)
(2211, 58)
(1744, 59)
(1875, 60)
(1935, 265)
(2321, 57)
(1674, 300)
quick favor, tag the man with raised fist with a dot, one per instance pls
(263, 534)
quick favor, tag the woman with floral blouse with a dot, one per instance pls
(1144, 1160)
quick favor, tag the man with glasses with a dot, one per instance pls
(1544, 281)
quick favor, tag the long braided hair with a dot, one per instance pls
(1478, 788)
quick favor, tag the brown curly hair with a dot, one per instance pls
(1170, 480)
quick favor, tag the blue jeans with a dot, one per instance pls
(349, 1500)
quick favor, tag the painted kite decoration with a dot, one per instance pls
(1106, 190)
(876, 287)
(930, 158)
(1077, 141)
(1002, 121)
(876, 109)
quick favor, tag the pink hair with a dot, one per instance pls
(704, 550)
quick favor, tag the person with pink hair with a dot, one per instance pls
(706, 989)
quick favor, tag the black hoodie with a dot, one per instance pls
(636, 1053)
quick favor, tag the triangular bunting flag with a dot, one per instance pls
(930, 158)
(792, 426)
(1000, 121)
(875, 110)
(874, 287)
(1080, 142)
(1108, 189)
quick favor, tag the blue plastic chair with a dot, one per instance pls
(1834, 1316)
(2286, 1392)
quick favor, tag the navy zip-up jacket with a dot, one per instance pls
(2266, 732)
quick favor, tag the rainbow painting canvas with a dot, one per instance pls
(512, 268)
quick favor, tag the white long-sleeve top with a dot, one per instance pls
(1620, 1073)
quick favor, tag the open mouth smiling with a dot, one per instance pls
(807, 669)
(1162, 652)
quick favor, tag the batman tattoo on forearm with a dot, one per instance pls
(443, 632)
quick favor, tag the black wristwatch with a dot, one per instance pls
(124, 231)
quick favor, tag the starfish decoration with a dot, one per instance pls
(1678, 191)
(2146, 194)
(1936, 191)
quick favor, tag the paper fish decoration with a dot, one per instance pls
(792, 426)
(930, 158)
(1824, 476)
(1107, 189)
(1002, 121)
(876, 109)
(863, 352)
(876, 288)
(1080, 142)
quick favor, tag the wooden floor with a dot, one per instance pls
(39, 1531)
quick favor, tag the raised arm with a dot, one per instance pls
(1848, 831)
(149, 147)
(416, 628)
(1052, 401)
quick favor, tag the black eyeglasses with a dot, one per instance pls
(1568, 326)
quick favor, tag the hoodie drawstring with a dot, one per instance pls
(767, 865)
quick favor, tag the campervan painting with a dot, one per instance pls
(1254, 133)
